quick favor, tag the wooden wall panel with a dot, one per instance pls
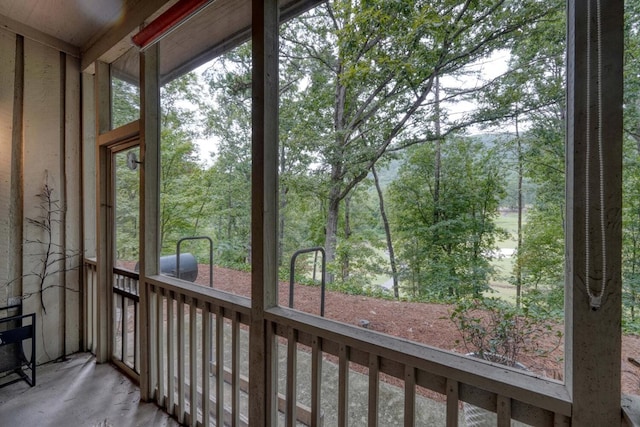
(42, 162)
(89, 165)
(73, 203)
(7, 64)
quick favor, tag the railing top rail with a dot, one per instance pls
(126, 273)
(540, 392)
(91, 261)
(220, 298)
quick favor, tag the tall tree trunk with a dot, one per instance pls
(438, 156)
(347, 235)
(283, 205)
(331, 230)
(437, 170)
(520, 211)
(387, 232)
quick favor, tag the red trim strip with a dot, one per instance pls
(173, 16)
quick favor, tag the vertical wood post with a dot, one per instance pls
(149, 201)
(16, 197)
(7, 77)
(103, 212)
(63, 201)
(593, 336)
(264, 202)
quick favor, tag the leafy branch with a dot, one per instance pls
(497, 331)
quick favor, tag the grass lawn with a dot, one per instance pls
(504, 264)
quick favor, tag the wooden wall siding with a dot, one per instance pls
(42, 162)
(73, 203)
(39, 137)
(88, 165)
(7, 64)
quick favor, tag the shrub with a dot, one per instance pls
(495, 330)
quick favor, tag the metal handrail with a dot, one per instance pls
(322, 280)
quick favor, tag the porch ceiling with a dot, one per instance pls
(76, 26)
(75, 22)
(220, 26)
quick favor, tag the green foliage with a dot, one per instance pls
(495, 330)
(531, 96)
(445, 245)
(631, 173)
(125, 98)
(184, 184)
(357, 88)
(127, 207)
(229, 123)
(369, 75)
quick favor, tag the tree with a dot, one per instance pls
(181, 172)
(448, 256)
(530, 95)
(125, 106)
(631, 170)
(387, 233)
(229, 123)
(380, 60)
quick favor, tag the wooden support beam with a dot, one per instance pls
(7, 77)
(150, 205)
(16, 192)
(264, 203)
(134, 12)
(102, 210)
(594, 116)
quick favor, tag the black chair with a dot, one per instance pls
(14, 330)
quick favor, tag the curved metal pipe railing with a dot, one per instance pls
(322, 280)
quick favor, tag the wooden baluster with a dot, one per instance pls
(504, 411)
(171, 351)
(206, 360)
(316, 381)
(193, 361)
(159, 346)
(219, 366)
(235, 367)
(292, 364)
(374, 378)
(453, 398)
(409, 396)
(181, 359)
(343, 386)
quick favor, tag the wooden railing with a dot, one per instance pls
(199, 335)
(125, 315)
(126, 318)
(199, 365)
(512, 394)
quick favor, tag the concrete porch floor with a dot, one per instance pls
(78, 392)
